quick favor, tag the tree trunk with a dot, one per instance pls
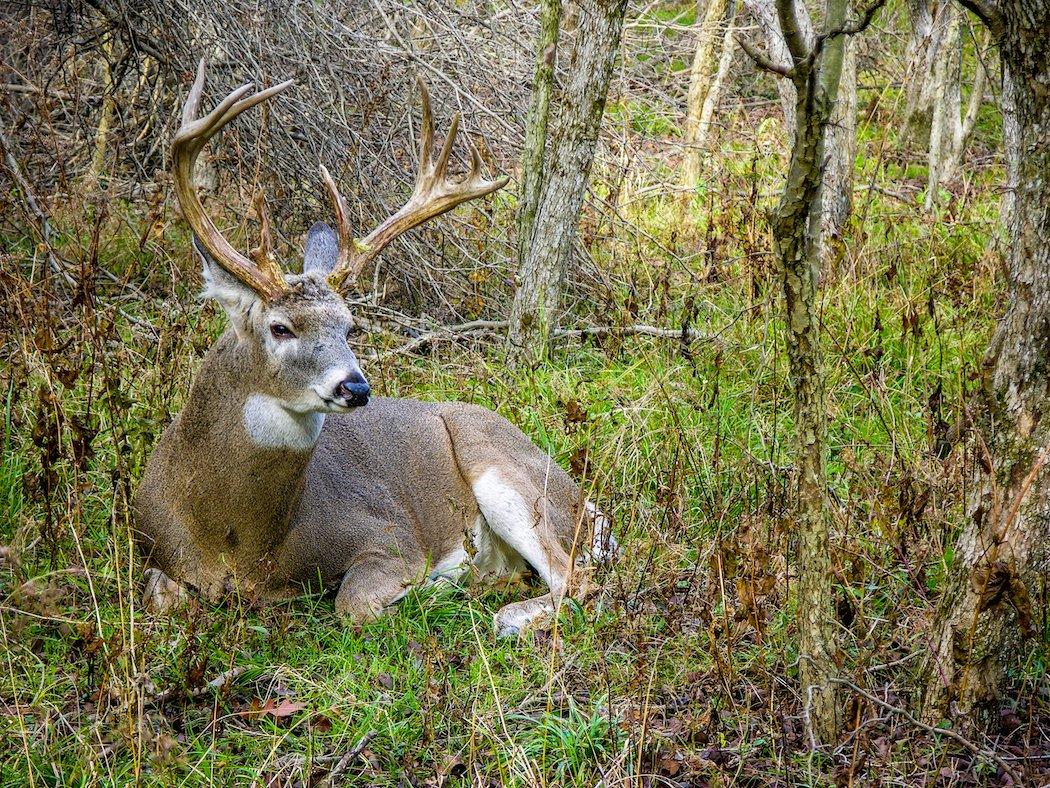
(836, 190)
(933, 114)
(796, 244)
(701, 83)
(765, 14)
(945, 131)
(964, 130)
(98, 156)
(707, 113)
(595, 41)
(986, 611)
(924, 47)
(832, 206)
(532, 157)
(1001, 237)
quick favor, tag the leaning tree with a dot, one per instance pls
(993, 593)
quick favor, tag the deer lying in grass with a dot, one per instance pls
(282, 471)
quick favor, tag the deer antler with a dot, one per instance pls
(433, 195)
(263, 275)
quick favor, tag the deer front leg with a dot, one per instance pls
(369, 587)
(519, 617)
(161, 593)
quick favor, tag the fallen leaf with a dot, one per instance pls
(278, 708)
(669, 766)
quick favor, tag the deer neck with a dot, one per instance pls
(244, 456)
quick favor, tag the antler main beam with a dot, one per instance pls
(262, 275)
(433, 195)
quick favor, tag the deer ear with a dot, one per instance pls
(322, 249)
(235, 297)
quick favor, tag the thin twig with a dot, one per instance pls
(8, 87)
(685, 334)
(43, 221)
(344, 762)
(476, 327)
(956, 737)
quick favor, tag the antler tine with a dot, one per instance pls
(193, 100)
(261, 253)
(426, 131)
(342, 220)
(263, 275)
(433, 195)
(475, 162)
(441, 166)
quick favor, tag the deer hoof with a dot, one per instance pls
(515, 619)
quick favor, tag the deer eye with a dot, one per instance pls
(281, 331)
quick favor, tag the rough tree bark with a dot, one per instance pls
(934, 40)
(701, 83)
(986, 611)
(836, 188)
(952, 145)
(945, 134)
(834, 203)
(933, 111)
(814, 71)
(532, 157)
(1000, 240)
(594, 40)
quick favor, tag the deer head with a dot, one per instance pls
(296, 326)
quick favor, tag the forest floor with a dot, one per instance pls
(683, 671)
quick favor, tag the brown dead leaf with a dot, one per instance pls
(278, 708)
(669, 765)
(575, 413)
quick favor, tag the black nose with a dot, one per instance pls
(354, 390)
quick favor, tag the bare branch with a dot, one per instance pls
(139, 39)
(335, 776)
(988, 12)
(43, 221)
(980, 752)
(850, 29)
(792, 30)
(761, 59)
(477, 328)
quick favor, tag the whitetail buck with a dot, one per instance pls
(282, 472)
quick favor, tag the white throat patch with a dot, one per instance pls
(271, 424)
